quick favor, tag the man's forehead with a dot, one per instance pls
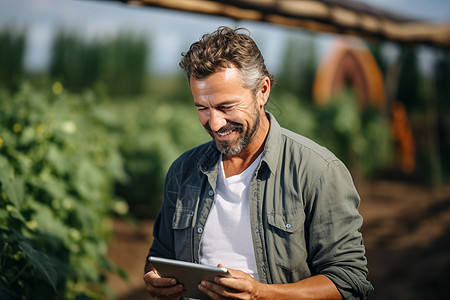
(225, 80)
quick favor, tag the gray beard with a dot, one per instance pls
(226, 147)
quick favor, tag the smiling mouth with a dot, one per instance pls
(225, 133)
(225, 130)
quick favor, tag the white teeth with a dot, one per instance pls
(225, 133)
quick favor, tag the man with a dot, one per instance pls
(279, 211)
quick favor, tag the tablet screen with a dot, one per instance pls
(187, 273)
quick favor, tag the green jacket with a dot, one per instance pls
(303, 211)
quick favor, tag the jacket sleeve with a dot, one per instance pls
(163, 239)
(335, 243)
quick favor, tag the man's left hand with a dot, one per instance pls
(239, 286)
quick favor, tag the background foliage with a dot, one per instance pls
(361, 139)
(12, 47)
(152, 133)
(58, 166)
(116, 65)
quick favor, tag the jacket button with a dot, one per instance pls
(211, 192)
(288, 226)
(200, 230)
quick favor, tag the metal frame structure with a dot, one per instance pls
(331, 16)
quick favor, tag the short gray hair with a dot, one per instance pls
(224, 48)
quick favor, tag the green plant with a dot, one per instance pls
(299, 65)
(74, 61)
(410, 86)
(360, 138)
(116, 65)
(58, 166)
(12, 48)
(123, 64)
(152, 133)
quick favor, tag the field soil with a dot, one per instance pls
(406, 232)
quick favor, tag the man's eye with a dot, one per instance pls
(200, 108)
(225, 108)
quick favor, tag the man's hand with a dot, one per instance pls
(243, 286)
(162, 288)
(239, 286)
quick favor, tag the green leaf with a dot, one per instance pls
(7, 185)
(5, 170)
(14, 191)
(14, 212)
(57, 159)
(28, 136)
(3, 219)
(40, 262)
(6, 293)
(48, 223)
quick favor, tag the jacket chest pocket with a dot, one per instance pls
(182, 231)
(287, 222)
(287, 245)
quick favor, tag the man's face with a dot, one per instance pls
(229, 112)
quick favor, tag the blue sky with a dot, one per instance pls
(169, 32)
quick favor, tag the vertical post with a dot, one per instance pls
(432, 125)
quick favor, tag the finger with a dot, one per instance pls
(217, 291)
(205, 287)
(168, 293)
(237, 283)
(171, 292)
(234, 274)
(156, 280)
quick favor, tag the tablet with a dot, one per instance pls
(187, 273)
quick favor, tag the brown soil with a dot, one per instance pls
(406, 232)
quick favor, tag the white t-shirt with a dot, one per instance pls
(227, 237)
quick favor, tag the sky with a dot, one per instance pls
(169, 32)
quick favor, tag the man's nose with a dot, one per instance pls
(216, 120)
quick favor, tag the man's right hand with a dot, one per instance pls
(162, 288)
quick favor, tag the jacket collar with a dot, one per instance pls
(273, 144)
(209, 158)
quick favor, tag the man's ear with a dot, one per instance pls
(264, 92)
